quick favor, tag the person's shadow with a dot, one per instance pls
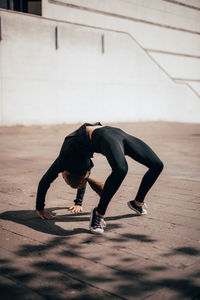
(29, 218)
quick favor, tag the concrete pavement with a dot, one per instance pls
(150, 257)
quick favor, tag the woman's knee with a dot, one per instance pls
(121, 170)
(158, 166)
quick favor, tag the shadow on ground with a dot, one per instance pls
(79, 277)
(50, 279)
(30, 219)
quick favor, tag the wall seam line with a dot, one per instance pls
(57, 2)
(182, 4)
(172, 53)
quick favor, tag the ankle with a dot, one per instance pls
(102, 216)
(138, 203)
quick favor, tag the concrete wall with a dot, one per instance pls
(81, 81)
(168, 30)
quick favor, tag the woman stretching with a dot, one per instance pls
(74, 161)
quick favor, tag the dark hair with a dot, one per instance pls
(75, 181)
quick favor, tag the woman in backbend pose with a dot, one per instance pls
(74, 161)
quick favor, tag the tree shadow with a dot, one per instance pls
(59, 278)
(191, 251)
(38, 250)
(129, 236)
(57, 281)
(183, 288)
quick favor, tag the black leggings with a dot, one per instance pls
(114, 144)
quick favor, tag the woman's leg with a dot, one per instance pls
(143, 154)
(114, 152)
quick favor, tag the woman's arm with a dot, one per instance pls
(77, 207)
(45, 183)
(80, 194)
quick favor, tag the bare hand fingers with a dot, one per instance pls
(48, 216)
(73, 209)
(40, 215)
(76, 209)
(44, 215)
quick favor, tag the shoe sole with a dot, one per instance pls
(138, 213)
(90, 227)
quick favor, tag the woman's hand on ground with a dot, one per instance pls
(44, 214)
(76, 209)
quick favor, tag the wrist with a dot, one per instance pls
(76, 202)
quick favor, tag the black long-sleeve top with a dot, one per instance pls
(75, 156)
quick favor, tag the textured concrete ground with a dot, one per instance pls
(151, 257)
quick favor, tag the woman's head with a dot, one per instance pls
(77, 181)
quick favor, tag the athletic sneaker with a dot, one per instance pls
(140, 210)
(96, 225)
(103, 223)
